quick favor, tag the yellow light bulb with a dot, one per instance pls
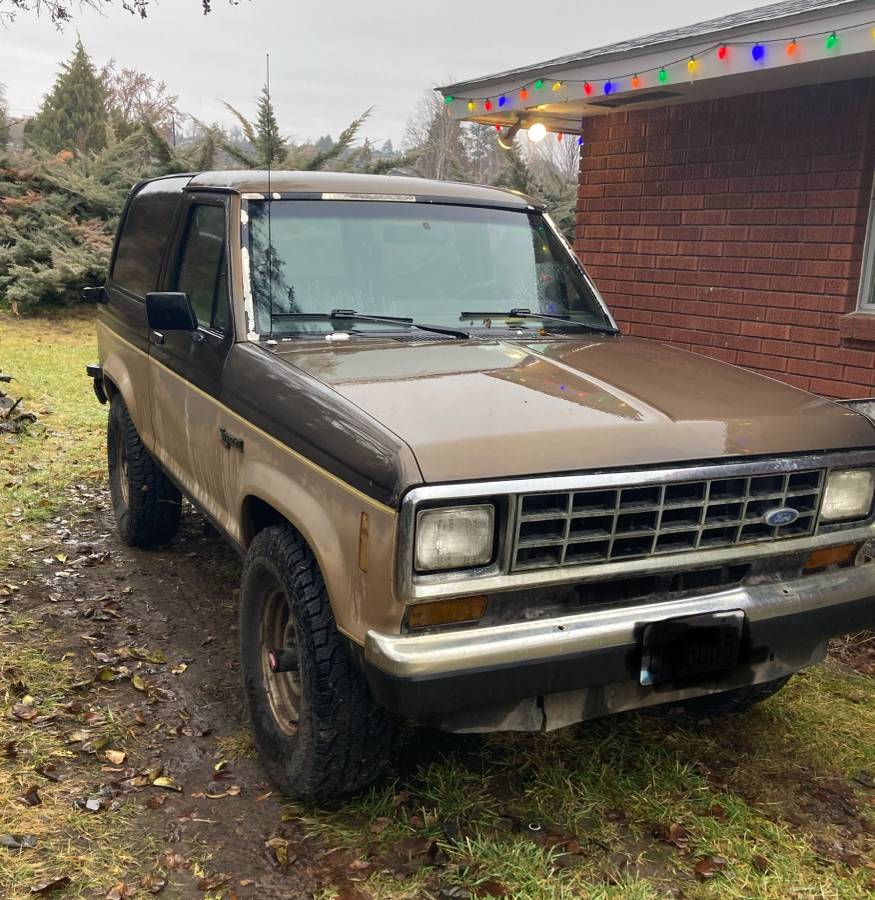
(692, 65)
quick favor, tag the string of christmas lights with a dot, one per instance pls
(637, 80)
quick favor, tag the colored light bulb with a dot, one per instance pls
(587, 88)
(580, 141)
(758, 51)
(487, 105)
(609, 86)
(557, 85)
(722, 50)
(559, 136)
(692, 64)
(524, 94)
(539, 84)
(448, 99)
(636, 81)
(502, 100)
(831, 41)
(471, 106)
(792, 47)
(663, 76)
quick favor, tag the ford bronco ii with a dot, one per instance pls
(462, 496)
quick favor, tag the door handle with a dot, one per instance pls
(156, 337)
(197, 338)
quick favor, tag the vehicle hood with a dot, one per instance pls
(491, 409)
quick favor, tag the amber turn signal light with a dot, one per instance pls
(831, 556)
(445, 612)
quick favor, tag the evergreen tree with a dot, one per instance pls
(270, 144)
(73, 115)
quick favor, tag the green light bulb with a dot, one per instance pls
(831, 41)
(663, 76)
(448, 99)
(539, 84)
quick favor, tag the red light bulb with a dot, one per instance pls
(587, 88)
(722, 50)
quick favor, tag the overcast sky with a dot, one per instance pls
(330, 60)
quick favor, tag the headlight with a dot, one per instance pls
(458, 537)
(848, 494)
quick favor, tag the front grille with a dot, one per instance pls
(599, 525)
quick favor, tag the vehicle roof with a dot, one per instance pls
(256, 181)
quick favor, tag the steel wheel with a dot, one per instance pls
(279, 648)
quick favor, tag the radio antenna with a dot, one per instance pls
(269, 201)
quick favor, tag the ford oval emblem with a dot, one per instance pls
(785, 515)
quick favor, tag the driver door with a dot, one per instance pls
(188, 419)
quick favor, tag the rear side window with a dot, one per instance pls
(144, 235)
(203, 271)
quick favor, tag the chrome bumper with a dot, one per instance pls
(557, 639)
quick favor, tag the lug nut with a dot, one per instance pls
(283, 659)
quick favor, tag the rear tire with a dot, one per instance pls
(728, 703)
(146, 503)
(316, 726)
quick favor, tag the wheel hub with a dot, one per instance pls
(279, 661)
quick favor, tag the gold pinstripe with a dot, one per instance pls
(269, 437)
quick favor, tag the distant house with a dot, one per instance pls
(726, 182)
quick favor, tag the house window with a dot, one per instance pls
(867, 281)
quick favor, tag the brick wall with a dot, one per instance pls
(735, 228)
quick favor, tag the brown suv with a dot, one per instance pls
(462, 496)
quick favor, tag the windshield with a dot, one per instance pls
(429, 262)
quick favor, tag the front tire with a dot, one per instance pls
(316, 726)
(146, 503)
(727, 703)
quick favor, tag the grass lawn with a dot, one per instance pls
(772, 804)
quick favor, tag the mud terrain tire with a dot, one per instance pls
(728, 703)
(145, 502)
(320, 734)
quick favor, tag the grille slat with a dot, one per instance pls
(599, 525)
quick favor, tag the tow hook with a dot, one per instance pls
(284, 659)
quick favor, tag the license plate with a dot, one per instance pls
(684, 648)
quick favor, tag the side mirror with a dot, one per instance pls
(170, 311)
(94, 295)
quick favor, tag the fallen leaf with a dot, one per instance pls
(24, 711)
(55, 884)
(152, 883)
(17, 841)
(8, 749)
(492, 888)
(116, 757)
(760, 863)
(211, 882)
(178, 670)
(119, 891)
(708, 867)
(280, 848)
(379, 825)
(675, 834)
(156, 801)
(170, 859)
(105, 674)
(31, 796)
(138, 683)
(165, 781)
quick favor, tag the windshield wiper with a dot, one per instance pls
(351, 314)
(528, 314)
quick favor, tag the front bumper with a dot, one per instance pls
(432, 676)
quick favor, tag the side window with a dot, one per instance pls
(144, 235)
(867, 280)
(203, 271)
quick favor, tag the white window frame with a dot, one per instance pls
(866, 298)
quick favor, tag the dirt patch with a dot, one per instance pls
(158, 631)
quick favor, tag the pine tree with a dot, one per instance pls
(270, 144)
(73, 115)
